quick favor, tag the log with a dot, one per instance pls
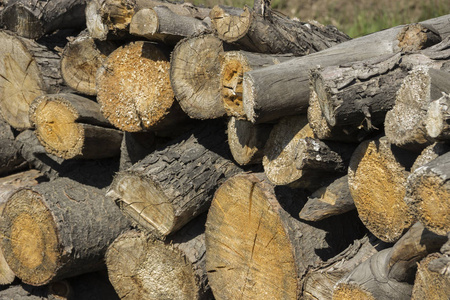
(173, 184)
(427, 194)
(80, 61)
(58, 229)
(389, 274)
(331, 200)
(134, 147)
(405, 123)
(170, 269)
(272, 32)
(33, 18)
(163, 25)
(283, 89)
(10, 158)
(233, 65)
(194, 76)
(377, 177)
(71, 126)
(133, 89)
(247, 140)
(27, 70)
(24, 292)
(256, 245)
(437, 120)
(430, 153)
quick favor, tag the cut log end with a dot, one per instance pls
(345, 291)
(430, 284)
(437, 120)
(144, 23)
(230, 27)
(415, 37)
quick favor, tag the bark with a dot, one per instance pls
(331, 200)
(172, 185)
(283, 89)
(272, 32)
(24, 292)
(389, 274)
(135, 146)
(27, 70)
(163, 25)
(428, 191)
(255, 244)
(134, 89)
(194, 76)
(33, 18)
(71, 126)
(81, 59)
(430, 153)
(233, 65)
(170, 269)
(10, 184)
(377, 177)
(70, 226)
(247, 140)
(437, 120)
(405, 123)
(10, 159)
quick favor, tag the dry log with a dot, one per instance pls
(71, 126)
(24, 292)
(134, 91)
(135, 146)
(333, 199)
(247, 140)
(272, 32)
(111, 18)
(172, 185)
(173, 269)
(194, 76)
(10, 158)
(283, 89)
(428, 194)
(34, 18)
(430, 153)
(389, 274)
(27, 70)
(377, 177)
(405, 123)
(58, 229)
(255, 244)
(233, 65)
(437, 120)
(80, 61)
(163, 25)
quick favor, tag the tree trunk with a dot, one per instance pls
(272, 32)
(58, 229)
(233, 65)
(194, 76)
(255, 244)
(134, 89)
(389, 274)
(71, 126)
(331, 200)
(428, 194)
(27, 70)
(170, 269)
(33, 18)
(10, 158)
(172, 185)
(247, 140)
(283, 89)
(377, 177)
(405, 123)
(81, 59)
(437, 120)
(163, 25)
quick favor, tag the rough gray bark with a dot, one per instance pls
(135, 146)
(10, 158)
(72, 225)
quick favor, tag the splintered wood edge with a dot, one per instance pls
(346, 291)
(231, 28)
(30, 243)
(249, 253)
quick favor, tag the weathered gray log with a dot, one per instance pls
(389, 274)
(272, 32)
(428, 194)
(430, 153)
(163, 25)
(283, 89)
(437, 120)
(172, 185)
(135, 146)
(71, 126)
(333, 199)
(33, 18)
(405, 124)
(256, 245)
(247, 140)
(58, 229)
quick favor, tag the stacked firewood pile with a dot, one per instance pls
(160, 150)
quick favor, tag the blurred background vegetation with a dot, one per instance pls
(356, 18)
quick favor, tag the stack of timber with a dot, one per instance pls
(162, 150)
